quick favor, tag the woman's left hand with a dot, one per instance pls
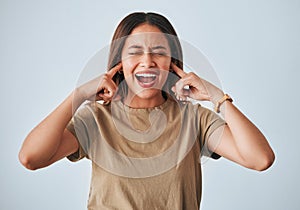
(239, 140)
(199, 89)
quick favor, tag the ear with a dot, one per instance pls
(171, 69)
(121, 71)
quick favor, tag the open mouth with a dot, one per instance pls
(146, 79)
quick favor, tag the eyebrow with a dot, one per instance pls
(158, 47)
(153, 48)
(135, 47)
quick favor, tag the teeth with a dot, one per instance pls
(145, 75)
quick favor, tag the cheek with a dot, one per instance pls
(128, 66)
(165, 65)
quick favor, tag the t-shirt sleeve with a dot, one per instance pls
(83, 127)
(80, 153)
(209, 122)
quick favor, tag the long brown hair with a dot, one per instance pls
(125, 28)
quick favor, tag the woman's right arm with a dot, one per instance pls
(50, 141)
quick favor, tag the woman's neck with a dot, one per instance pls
(137, 102)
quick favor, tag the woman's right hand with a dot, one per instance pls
(100, 88)
(50, 141)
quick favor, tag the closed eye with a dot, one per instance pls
(160, 53)
(159, 50)
(136, 53)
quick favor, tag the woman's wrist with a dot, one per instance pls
(221, 101)
(218, 94)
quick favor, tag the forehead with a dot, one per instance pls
(146, 35)
(145, 28)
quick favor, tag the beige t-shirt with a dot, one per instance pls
(143, 158)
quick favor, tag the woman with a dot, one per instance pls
(146, 112)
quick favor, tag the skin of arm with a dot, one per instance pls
(50, 141)
(240, 140)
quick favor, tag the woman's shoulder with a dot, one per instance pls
(91, 107)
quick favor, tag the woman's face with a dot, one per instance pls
(146, 60)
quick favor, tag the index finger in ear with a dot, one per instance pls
(114, 70)
(178, 70)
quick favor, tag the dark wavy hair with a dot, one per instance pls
(125, 28)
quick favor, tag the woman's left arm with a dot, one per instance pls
(239, 140)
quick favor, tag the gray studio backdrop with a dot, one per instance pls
(253, 45)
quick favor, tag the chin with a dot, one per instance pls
(148, 94)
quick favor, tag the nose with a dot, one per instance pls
(147, 60)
